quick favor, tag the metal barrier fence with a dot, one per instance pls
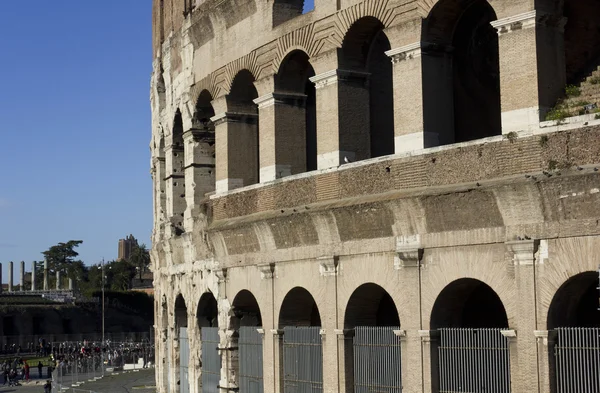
(302, 360)
(474, 360)
(377, 366)
(577, 353)
(184, 360)
(250, 343)
(211, 360)
(31, 343)
(76, 371)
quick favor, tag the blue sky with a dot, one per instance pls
(74, 126)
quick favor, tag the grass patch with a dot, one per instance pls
(572, 91)
(557, 114)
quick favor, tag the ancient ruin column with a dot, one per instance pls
(523, 344)
(236, 143)
(423, 100)
(57, 280)
(429, 344)
(282, 135)
(22, 276)
(70, 284)
(342, 117)
(175, 184)
(33, 270)
(532, 67)
(199, 169)
(10, 276)
(46, 278)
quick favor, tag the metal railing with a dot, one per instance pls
(250, 343)
(474, 360)
(72, 373)
(577, 353)
(302, 360)
(211, 360)
(377, 366)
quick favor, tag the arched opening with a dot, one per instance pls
(296, 115)
(176, 177)
(299, 309)
(160, 184)
(165, 343)
(302, 351)
(210, 360)
(242, 152)
(574, 329)
(372, 352)
(245, 321)
(183, 346)
(284, 10)
(203, 146)
(466, 101)
(363, 53)
(582, 39)
(468, 314)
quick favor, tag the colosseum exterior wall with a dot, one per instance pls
(364, 151)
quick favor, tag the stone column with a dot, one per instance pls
(342, 117)
(545, 349)
(199, 169)
(271, 377)
(430, 344)
(277, 338)
(22, 276)
(346, 347)
(532, 68)
(160, 192)
(423, 99)
(57, 280)
(282, 135)
(33, 271)
(70, 284)
(237, 147)
(175, 186)
(46, 278)
(523, 347)
(332, 351)
(10, 276)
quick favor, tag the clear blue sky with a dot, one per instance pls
(74, 126)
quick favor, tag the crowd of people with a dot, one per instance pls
(18, 369)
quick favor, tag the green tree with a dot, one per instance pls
(61, 258)
(140, 259)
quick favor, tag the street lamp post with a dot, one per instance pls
(103, 284)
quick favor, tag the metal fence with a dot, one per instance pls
(71, 373)
(377, 366)
(474, 360)
(302, 360)
(211, 360)
(250, 344)
(184, 360)
(577, 352)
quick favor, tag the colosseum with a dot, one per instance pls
(376, 196)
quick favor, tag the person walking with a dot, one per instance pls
(48, 387)
(40, 366)
(26, 368)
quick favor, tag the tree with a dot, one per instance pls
(61, 258)
(140, 259)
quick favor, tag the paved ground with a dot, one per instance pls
(125, 382)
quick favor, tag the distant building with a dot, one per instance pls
(126, 247)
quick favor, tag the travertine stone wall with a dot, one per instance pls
(235, 210)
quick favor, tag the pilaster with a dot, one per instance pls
(532, 68)
(523, 347)
(282, 135)
(332, 350)
(199, 169)
(343, 117)
(430, 340)
(422, 77)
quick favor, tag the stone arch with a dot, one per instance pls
(468, 303)
(243, 152)
(461, 58)
(245, 310)
(299, 309)
(370, 305)
(363, 54)
(180, 312)
(297, 112)
(284, 10)
(575, 303)
(207, 312)
(176, 176)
